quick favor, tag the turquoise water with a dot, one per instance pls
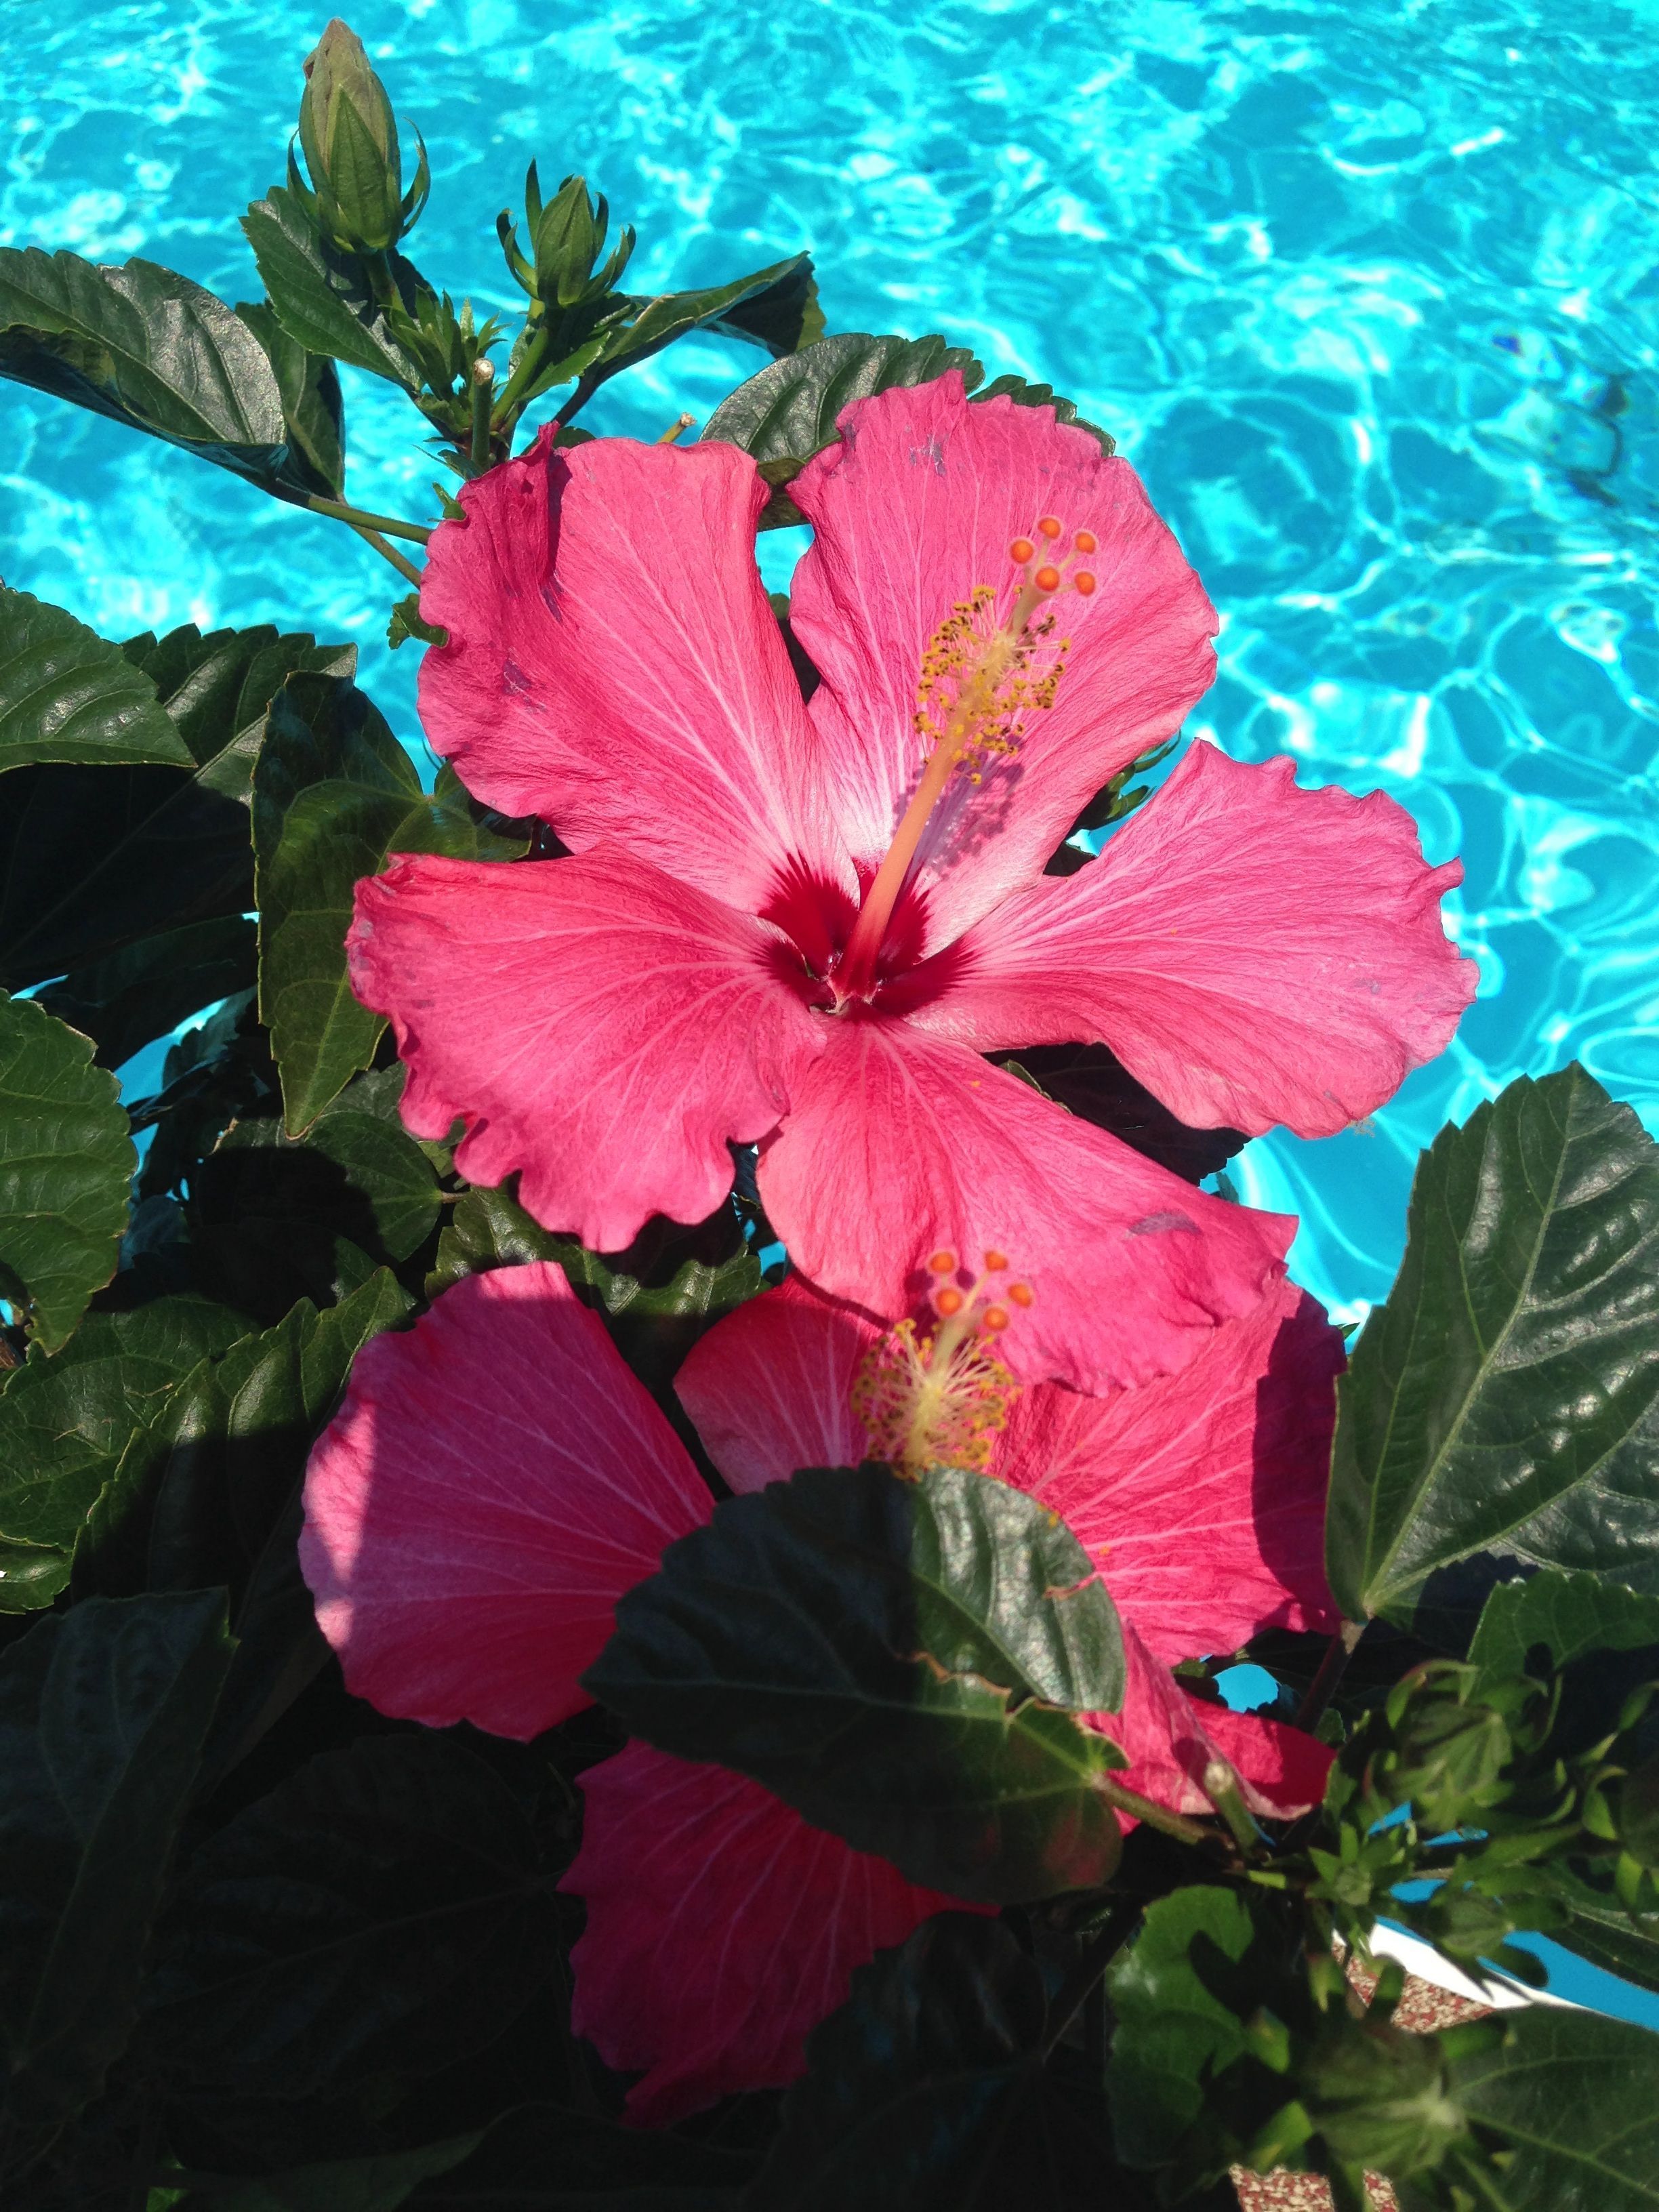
(1370, 293)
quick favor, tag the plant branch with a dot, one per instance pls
(388, 552)
(484, 386)
(1156, 1816)
(359, 518)
(1074, 1992)
(1332, 1668)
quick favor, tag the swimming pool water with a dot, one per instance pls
(1370, 292)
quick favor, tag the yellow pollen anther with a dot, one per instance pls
(935, 1400)
(982, 678)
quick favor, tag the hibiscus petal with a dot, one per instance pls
(600, 1027)
(495, 1481)
(766, 1388)
(1201, 1494)
(721, 1928)
(1170, 1738)
(916, 505)
(613, 664)
(1254, 953)
(898, 1145)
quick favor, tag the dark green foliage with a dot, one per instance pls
(385, 1906)
(1566, 2101)
(901, 1661)
(68, 695)
(334, 795)
(1504, 1400)
(102, 1714)
(65, 1162)
(153, 351)
(928, 2092)
(72, 1424)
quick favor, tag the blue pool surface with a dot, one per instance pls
(1368, 292)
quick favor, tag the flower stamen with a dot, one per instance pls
(938, 1399)
(980, 680)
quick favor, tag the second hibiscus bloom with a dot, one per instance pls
(805, 925)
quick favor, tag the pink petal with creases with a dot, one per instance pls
(1254, 953)
(601, 1029)
(1202, 1494)
(898, 1145)
(916, 505)
(721, 1928)
(613, 664)
(495, 1481)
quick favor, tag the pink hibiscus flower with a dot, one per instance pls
(805, 925)
(497, 1479)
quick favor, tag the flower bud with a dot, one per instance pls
(567, 236)
(349, 135)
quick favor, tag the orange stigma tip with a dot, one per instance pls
(1049, 526)
(948, 1301)
(942, 1263)
(996, 1318)
(1020, 1294)
(995, 1262)
(1046, 579)
(1021, 551)
(1083, 582)
(1085, 541)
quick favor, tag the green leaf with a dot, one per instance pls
(354, 1175)
(376, 2183)
(308, 386)
(1599, 1929)
(321, 296)
(93, 858)
(385, 1910)
(335, 795)
(1093, 1084)
(899, 1661)
(1602, 1642)
(222, 1502)
(1203, 1960)
(776, 297)
(1506, 1398)
(67, 694)
(66, 1163)
(783, 318)
(67, 1422)
(406, 624)
(1570, 2099)
(656, 1298)
(149, 349)
(142, 992)
(103, 1710)
(927, 2093)
(786, 412)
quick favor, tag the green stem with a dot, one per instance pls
(389, 552)
(484, 382)
(360, 519)
(1221, 1787)
(1332, 1668)
(1156, 1816)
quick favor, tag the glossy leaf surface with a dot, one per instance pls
(66, 1161)
(899, 1661)
(1506, 1398)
